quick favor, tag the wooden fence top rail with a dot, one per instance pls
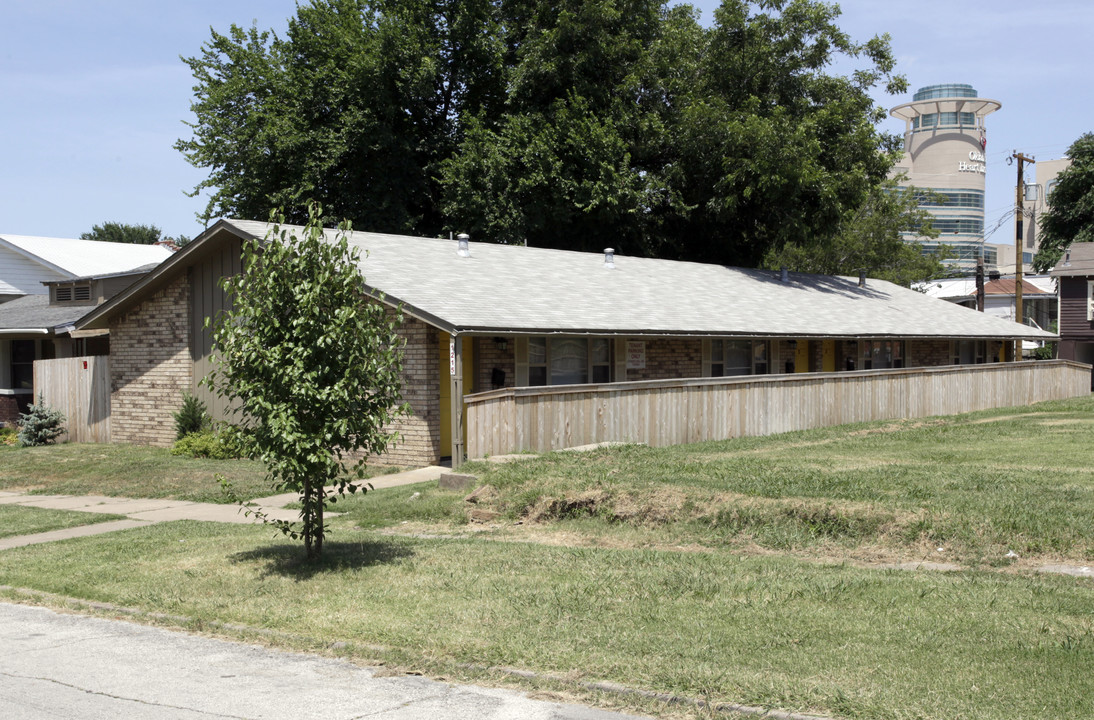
(755, 379)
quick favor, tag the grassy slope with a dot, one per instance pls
(980, 486)
(716, 570)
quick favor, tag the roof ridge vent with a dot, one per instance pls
(463, 242)
(609, 258)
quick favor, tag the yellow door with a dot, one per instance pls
(446, 387)
(828, 356)
(801, 357)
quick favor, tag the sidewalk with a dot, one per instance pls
(146, 512)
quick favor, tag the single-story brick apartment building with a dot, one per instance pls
(508, 316)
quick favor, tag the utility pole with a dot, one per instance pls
(980, 282)
(1019, 243)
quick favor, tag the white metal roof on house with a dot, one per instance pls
(504, 288)
(81, 258)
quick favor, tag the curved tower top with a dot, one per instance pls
(952, 105)
(944, 142)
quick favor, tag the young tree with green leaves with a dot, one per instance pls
(310, 365)
(1070, 214)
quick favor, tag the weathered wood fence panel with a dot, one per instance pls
(80, 388)
(669, 412)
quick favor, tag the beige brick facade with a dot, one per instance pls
(419, 438)
(490, 359)
(150, 366)
(929, 353)
(668, 358)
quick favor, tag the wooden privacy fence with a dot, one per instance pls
(670, 412)
(80, 388)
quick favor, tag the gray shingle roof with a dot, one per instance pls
(1078, 259)
(33, 312)
(502, 288)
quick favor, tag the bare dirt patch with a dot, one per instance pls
(1066, 421)
(898, 427)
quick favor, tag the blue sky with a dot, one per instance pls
(93, 95)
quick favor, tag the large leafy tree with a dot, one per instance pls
(124, 233)
(355, 108)
(310, 366)
(872, 238)
(1070, 214)
(573, 124)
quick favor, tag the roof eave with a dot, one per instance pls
(99, 318)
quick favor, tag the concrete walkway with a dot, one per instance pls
(57, 665)
(146, 512)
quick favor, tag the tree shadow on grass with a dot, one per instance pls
(289, 561)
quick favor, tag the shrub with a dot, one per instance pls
(205, 444)
(192, 417)
(8, 435)
(41, 425)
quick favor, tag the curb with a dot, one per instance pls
(608, 688)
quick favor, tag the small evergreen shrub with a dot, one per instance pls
(192, 417)
(41, 425)
(8, 435)
(205, 444)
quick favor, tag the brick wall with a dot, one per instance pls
(150, 366)
(489, 358)
(668, 358)
(929, 353)
(420, 432)
(10, 408)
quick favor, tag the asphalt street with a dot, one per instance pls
(55, 665)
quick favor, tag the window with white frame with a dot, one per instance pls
(22, 364)
(537, 361)
(730, 357)
(566, 360)
(882, 354)
(969, 352)
(600, 360)
(760, 355)
(569, 358)
(727, 357)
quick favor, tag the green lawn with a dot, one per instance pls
(17, 520)
(749, 571)
(134, 471)
(773, 631)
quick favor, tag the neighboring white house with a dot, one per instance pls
(1039, 301)
(32, 316)
(26, 262)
